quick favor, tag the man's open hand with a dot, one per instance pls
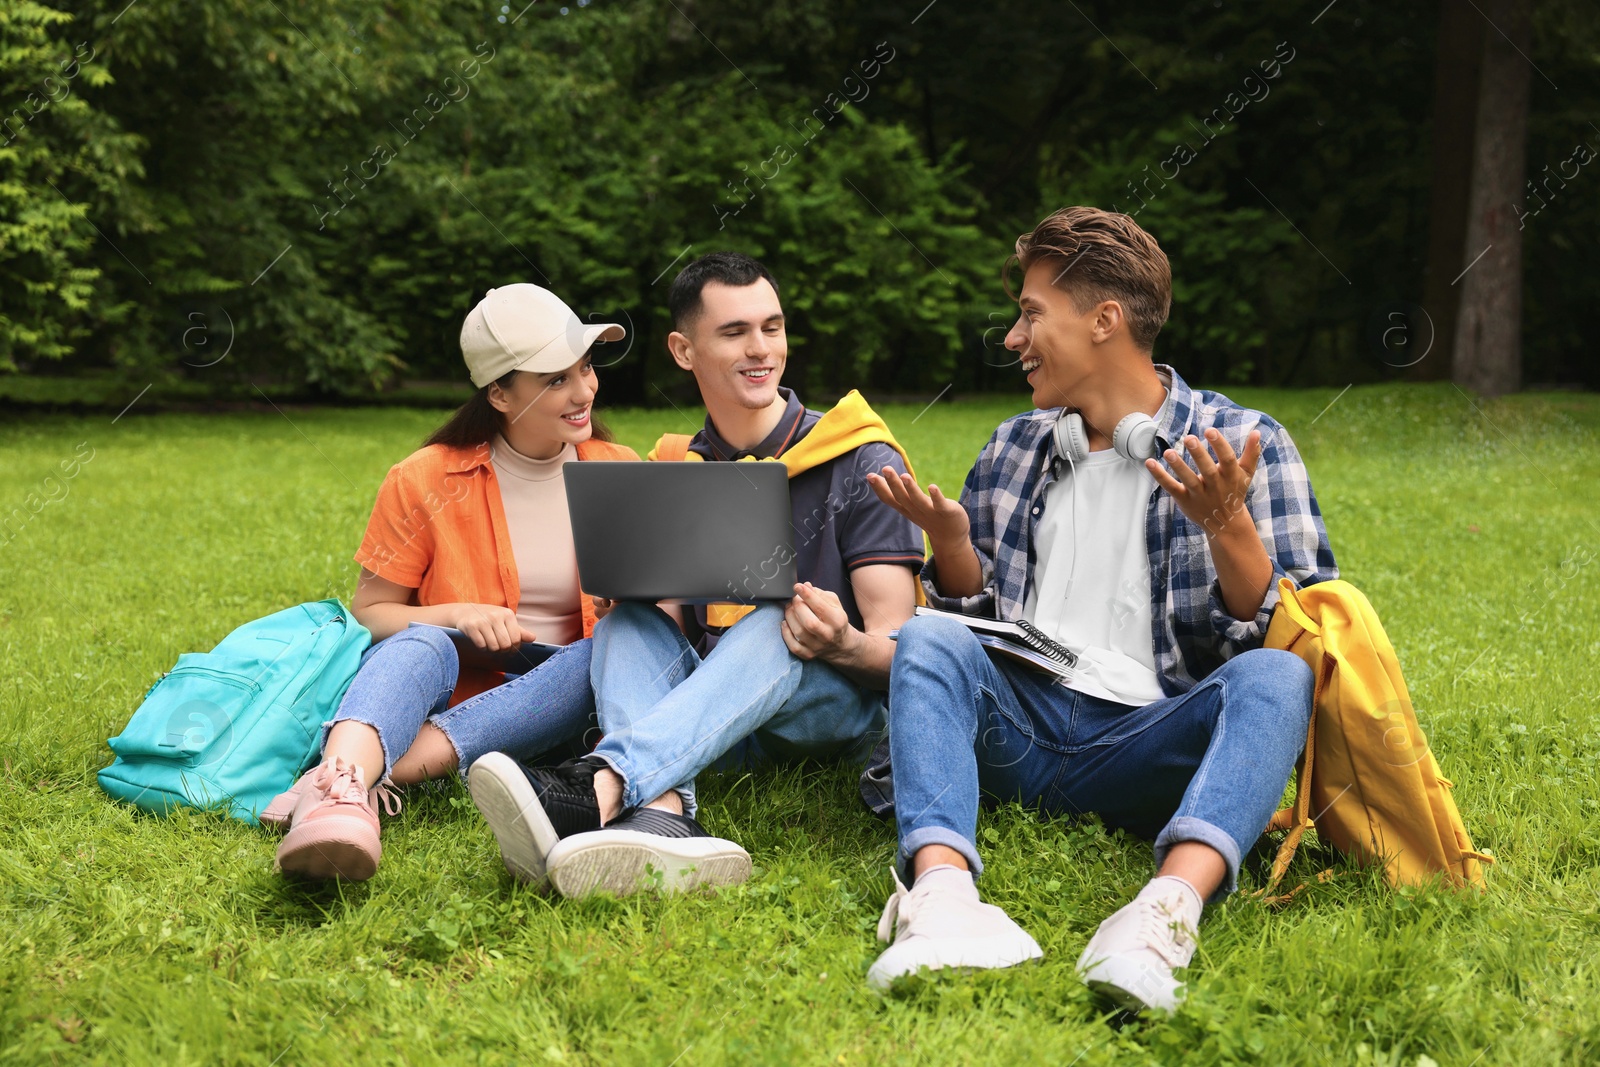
(1212, 491)
(815, 625)
(944, 519)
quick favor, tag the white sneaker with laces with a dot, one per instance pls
(940, 922)
(1132, 955)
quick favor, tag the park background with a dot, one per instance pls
(216, 197)
(237, 241)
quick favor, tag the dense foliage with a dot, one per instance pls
(315, 194)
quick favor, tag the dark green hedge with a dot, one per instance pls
(314, 195)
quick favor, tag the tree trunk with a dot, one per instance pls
(1488, 341)
(1455, 114)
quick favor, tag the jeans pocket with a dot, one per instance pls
(1007, 737)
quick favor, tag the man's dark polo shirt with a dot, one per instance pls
(839, 523)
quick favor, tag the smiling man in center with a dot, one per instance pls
(803, 679)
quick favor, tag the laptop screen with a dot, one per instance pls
(688, 532)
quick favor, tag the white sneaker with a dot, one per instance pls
(942, 923)
(645, 849)
(509, 804)
(1132, 955)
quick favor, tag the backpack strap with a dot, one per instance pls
(1296, 819)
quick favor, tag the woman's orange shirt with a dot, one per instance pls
(438, 527)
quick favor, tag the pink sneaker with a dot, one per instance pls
(333, 828)
(276, 815)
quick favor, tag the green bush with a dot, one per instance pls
(49, 137)
(309, 197)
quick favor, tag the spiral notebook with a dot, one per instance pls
(1021, 641)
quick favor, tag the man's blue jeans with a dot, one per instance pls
(667, 714)
(407, 679)
(1208, 765)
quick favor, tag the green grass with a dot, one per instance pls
(130, 939)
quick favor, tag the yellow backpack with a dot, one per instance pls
(1367, 781)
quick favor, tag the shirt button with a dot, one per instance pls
(1036, 511)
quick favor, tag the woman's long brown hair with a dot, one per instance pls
(477, 421)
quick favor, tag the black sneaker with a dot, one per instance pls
(531, 809)
(645, 849)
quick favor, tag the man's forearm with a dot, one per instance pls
(957, 572)
(864, 658)
(1244, 570)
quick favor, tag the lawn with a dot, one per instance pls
(131, 939)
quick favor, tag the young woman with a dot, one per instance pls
(471, 531)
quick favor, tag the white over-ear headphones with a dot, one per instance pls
(1135, 438)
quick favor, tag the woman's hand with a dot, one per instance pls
(602, 607)
(490, 627)
(386, 608)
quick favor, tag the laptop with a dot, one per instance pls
(690, 533)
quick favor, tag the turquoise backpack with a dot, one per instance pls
(234, 727)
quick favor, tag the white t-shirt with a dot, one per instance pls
(1092, 535)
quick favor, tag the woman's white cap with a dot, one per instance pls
(526, 327)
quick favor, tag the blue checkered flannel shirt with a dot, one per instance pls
(1192, 629)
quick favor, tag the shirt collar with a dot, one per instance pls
(1172, 421)
(712, 445)
(1172, 418)
(461, 460)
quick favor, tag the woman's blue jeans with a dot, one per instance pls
(1208, 765)
(406, 680)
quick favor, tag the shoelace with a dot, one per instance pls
(900, 906)
(343, 783)
(388, 796)
(1164, 931)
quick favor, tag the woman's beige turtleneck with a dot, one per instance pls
(535, 499)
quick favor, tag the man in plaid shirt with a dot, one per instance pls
(1143, 525)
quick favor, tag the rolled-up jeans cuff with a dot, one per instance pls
(936, 835)
(1187, 828)
(630, 794)
(383, 742)
(686, 793)
(621, 771)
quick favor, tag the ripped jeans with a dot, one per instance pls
(407, 679)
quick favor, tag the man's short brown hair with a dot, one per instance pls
(1103, 256)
